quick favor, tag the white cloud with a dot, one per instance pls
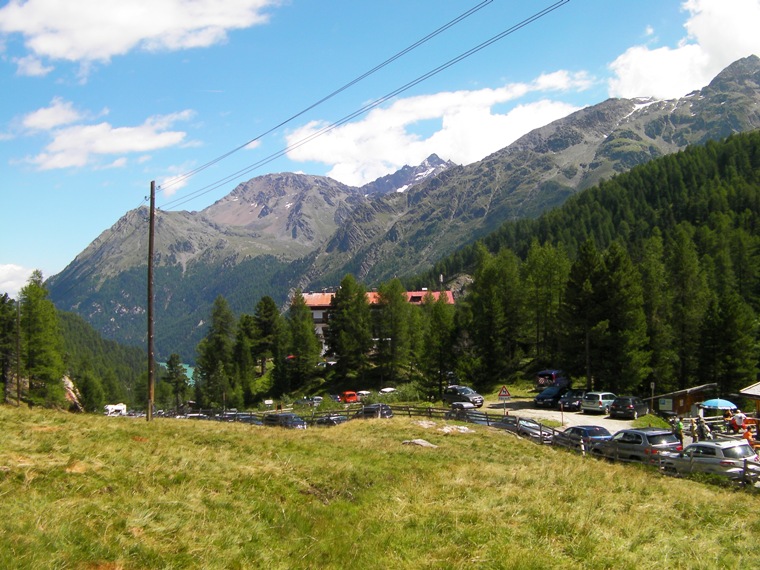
(31, 66)
(176, 180)
(80, 145)
(718, 33)
(468, 130)
(59, 113)
(97, 30)
(13, 278)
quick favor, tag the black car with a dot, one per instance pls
(331, 419)
(549, 397)
(286, 420)
(374, 411)
(628, 407)
(457, 393)
(581, 437)
(571, 400)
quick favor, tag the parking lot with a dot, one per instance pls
(525, 408)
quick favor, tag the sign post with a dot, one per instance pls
(504, 396)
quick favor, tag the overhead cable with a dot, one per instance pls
(464, 55)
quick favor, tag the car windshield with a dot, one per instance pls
(574, 394)
(551, 391)
(662, 438)
(466, 391)
(596, 431)
(591, 397)
(738, 451)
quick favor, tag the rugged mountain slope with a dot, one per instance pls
(279, 231)
(405, 234)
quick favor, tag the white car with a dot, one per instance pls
(735, 459)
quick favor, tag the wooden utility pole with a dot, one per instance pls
(151, 230)
(18, 351)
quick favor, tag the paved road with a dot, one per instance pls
(525, 408)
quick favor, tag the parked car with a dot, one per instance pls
(309, 401)
(361, 394)
(457, 393)
(628, 407)
(286, 420)
(349, 397)
(644, 445)
(576, 436)
(723, 457)
(553, 377)
(596, 402)
(571, 400)
(331, 419)
(374, 411)
(549, 397)
(525, 427)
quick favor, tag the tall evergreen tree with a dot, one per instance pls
(266, 316)
(42, 358)
(544, 274)
(582, 320)
(657, 308)
(215, 364)
(496, 310)
(349, 334)
(688, 292)
(8, 335)
(392, 332)
(624, 356)
(177, 379)
(304, 344)
(437, 356)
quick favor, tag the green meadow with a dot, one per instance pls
(91, 492)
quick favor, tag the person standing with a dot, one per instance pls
(679, 430)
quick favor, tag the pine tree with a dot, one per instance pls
(624, 357)
(42, 358)
(349, 332)
(215, 364)
(8, 335)
(177, 379)
(266, 316)
(581, 317)
(688, 292)
(657, 308)
(437, 355)
(304, 344)
(392, 333)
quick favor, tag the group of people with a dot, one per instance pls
(735, 422)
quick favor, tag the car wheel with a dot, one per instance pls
(607, 410)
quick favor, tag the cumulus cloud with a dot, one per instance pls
(13, 278)
(717, 33)
(78, 145)
(59, 113)
(97, 30)
(467, 128)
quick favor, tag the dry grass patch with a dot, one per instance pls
(96, 492)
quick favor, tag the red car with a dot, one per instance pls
(349, 397)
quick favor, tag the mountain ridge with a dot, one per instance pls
(281, 231)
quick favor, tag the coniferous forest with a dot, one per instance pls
(652, 276)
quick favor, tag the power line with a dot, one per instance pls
(464, 55)
(339, 90)
(378, 67)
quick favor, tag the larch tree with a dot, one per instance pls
(42, 353)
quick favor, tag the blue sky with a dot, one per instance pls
(102, 96)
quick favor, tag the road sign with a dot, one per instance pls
(504, 393)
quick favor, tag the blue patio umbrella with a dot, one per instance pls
(718, 404)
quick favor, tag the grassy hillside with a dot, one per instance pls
(95, 492)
